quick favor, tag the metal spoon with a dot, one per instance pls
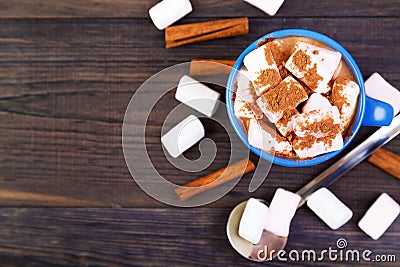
(330, 175)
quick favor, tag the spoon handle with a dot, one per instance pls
(366, 148)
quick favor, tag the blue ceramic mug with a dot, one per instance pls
(369, 112)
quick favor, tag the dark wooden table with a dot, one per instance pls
(67, 72)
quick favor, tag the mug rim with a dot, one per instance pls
(331, 43)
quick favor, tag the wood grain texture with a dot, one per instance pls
(63, 99)
(201, 8)
(67, 72)
(159, 237)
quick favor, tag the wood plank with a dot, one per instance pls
(37, 41)
(202, 8)
(64, 44)
(38, 163)
(158, 237)
(65, 86)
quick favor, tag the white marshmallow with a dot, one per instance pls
(245, 105)
(304, 124)
(379, 216)
(329, 208)
(263, 137)
(268, 6)
(377, 87)
(197, 96)
(285, 124)
(253, 220)
(325, 61)
(243, 87)
(256, 63)
(282, 91)
(242, 109)
(281, 212)
(344, 96)
(318, 146)
(183, 136)
(168, 12)
(265, 107)
(316, 102)
(278, 51)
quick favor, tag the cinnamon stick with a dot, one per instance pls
(200, 67)
(387, 161)
(203, 31)
(214, 179)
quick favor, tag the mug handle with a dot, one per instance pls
(377, 113)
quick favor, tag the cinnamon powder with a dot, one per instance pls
(324, 126)
(304, 143)
(278, 52)
(336, 97)
(268, 56)
(302, 61)
(287, 95)
(287, 116)
(269, 77)
(312, 78)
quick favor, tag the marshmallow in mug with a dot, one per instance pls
(168, 12)
(310, 147)
(313, 65)
(281, 212)
(263, 137)
(377, 87)
(242, 109)
(253, 220)
(263, 71)
(318, 123)
(197, 96)
(344, 95)
(285, 124)
(245, 105)
(329, 208)
(268, 6)
(287, 95)
(316, 102)
(183, 136)
(380, 216)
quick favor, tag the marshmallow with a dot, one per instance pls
(344, 96)
(313, 65)
(263, 71)
(285, 124)
(318, 123)
(287, 95)
(245, 105)
(183, 136)
(242, 109)
(378, 88)
(281, 212)
(311, 146)
(278, 51)
(253, 220)
(268, 6)
(168, 12)
(316, 102)
(329, 208)
(379, 216)
(244, 87)
(261, 136)
(197, 96)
